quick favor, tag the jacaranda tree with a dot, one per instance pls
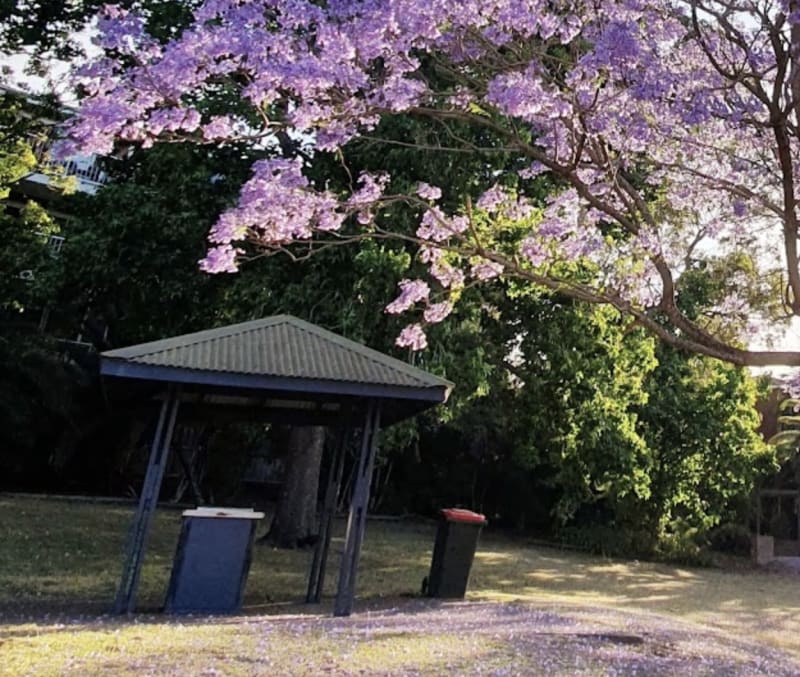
(669, 127)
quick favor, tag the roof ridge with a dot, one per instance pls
(352, 346)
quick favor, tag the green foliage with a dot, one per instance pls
(701, 422)
(701, 456)
(16, 156)
(607, 540)
(23, 236)
(131, 251)
(39, 392)
(577, 425)
(731, 537)
(574, 377)
(25, 259)
(706, 284)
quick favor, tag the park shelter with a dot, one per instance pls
(282, 369)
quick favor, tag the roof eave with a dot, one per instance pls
(125, 369)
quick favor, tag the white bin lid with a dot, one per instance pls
(224, 513)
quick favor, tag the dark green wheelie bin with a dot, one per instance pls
(453, 552)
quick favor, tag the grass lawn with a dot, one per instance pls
(530, 610)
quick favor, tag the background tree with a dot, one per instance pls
(39, 391)
(584, 432)
(700, 420)
(551, 426)
(24, 230)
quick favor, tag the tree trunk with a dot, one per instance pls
(296, 524)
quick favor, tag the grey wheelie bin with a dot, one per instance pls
(211, 561)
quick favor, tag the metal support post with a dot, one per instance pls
(316, 578)
(137, 536)
(358, 512)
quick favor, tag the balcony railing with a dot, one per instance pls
(84, 168)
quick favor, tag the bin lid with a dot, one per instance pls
(461, 515)
(224, 513)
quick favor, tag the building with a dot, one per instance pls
(44, 183)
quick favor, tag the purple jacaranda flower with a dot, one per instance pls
(437, 227)
(532, 170)
(492, 199)
(411, 292)
(221, 259)
(485, 269)
(436, 312)
(412, 337)
(447, 275)
(638, 126)
(430, 254)
(428, 192)
(533, 251)
(218, 127)
(371, 188)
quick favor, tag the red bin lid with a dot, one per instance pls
(461, 515)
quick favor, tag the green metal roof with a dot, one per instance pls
(281, 349)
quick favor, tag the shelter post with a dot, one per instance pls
(137, 536)
(358, 511)
(316, 579)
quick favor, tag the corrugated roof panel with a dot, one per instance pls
(281, 346)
